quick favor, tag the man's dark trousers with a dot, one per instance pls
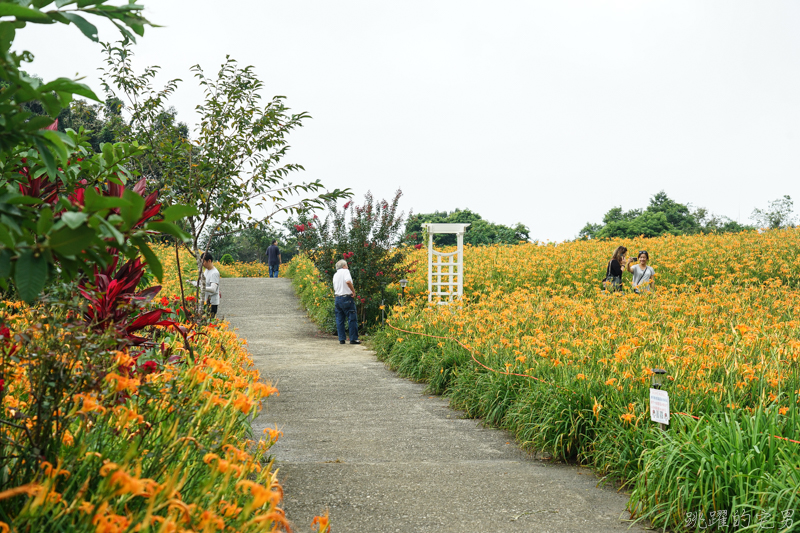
(345, 307)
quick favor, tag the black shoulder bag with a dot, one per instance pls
(617, 284)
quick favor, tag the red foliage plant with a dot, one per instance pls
(114, 301)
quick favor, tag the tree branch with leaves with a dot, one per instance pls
(238, 166)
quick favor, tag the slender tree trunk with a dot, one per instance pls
(200, 278)
(180, 278)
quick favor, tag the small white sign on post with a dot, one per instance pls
(659, 406)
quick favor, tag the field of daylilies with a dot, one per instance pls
(537, 348)
(150, 436)
(315, 294)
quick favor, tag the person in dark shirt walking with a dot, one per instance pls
(274, 259)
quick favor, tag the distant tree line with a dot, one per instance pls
(250, 245)
(479, 232)
(778, 214)
(665, 216)
(662, 216)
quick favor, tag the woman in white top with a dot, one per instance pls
(644, 277)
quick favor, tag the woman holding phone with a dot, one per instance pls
(644, 276)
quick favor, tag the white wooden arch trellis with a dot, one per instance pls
(445, 270)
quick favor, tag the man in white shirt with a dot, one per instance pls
(210, 295)
(345, 302)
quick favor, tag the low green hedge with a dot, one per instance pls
(731, 467)
(315, 295)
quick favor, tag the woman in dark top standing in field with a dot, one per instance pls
(614, 270)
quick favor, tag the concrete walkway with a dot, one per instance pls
(381, 454)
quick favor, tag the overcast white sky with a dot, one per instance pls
(547, 113)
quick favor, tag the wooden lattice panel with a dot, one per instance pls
(445, 270)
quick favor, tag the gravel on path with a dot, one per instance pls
(381, 454)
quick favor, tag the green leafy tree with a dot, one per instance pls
(633, 223)
(250, 244)
(233, 166)
(89, 117)
(137, 111)
(479, 232)
(678, 216)
(777, 215)
(711, 223)
(238, 165)
(62, 207)
(22, 127)
(662, 216)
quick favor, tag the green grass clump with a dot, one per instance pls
(731, 465)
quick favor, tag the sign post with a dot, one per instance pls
(659, 400)
(659, 407)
